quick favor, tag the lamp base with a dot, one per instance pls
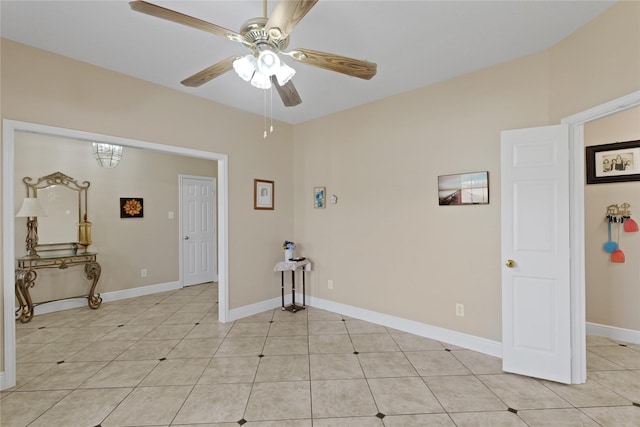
(32, 254)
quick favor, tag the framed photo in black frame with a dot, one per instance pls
(616, 162)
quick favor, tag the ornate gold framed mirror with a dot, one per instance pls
(65, 202)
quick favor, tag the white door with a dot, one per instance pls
(536, 327)
(198, 226)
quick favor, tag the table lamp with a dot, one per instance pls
(31, 209)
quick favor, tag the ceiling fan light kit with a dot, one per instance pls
(259, 70)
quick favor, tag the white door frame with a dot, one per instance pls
(181, 232)
(576, 124)
(9, 128)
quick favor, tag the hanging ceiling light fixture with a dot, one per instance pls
(107, 155)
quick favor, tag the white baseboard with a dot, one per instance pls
(471, 342)
(259, 307)
(140, 291)
(614, 333)
(67, 304)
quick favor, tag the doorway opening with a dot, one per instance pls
(576, 124)
(10, 127)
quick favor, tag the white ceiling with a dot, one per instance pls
(414, 43)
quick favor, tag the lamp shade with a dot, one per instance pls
(284, 74)
(268, 62)
(245, 67)
(107, 155)
(31, 207)
(261, 81)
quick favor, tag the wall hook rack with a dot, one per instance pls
(622, 215)
(618, 214)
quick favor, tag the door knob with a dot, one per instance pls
(510, 263)
(186, 237)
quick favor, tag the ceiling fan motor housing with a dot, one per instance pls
(254, 33)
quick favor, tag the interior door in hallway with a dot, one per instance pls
(198, 226)
(536, 305)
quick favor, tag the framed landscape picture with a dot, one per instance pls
(463, 189)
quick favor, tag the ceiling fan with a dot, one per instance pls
(266, 38)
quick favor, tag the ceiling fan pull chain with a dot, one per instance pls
(271, 112)
(264, 97)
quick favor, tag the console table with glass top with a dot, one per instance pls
(26, 276)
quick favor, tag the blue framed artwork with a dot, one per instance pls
(319, 197)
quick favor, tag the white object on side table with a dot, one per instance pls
(288, 254)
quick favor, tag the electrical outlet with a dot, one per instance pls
(170, 215)
(330, 284)
(460, 310)
(143, 272)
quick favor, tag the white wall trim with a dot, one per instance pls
(9, 127)
(618, 334)
(471, 342)
(8, 256)
(576, 124)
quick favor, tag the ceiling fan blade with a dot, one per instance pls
(180, 18)
(329, 61)
(286, 15)
(210, 73)
(288, 93)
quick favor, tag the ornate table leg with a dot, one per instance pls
(25, 279)
(93, 270)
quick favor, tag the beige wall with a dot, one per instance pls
(597, 63)
(613, 294)
(386, 244)
(124, 245)
(45, 88)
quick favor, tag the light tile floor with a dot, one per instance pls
(165, 360)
